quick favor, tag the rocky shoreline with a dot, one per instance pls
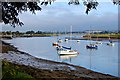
(49, 69)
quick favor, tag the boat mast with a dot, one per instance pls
(70, 34)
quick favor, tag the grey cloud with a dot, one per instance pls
(60, 18)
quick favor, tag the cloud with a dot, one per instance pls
(60, 16)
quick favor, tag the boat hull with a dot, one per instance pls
(91, 47)
(67, 52)
(55, 44)
(110, 44)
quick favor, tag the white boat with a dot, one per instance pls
(110, 44)
(66, 40)
(78, 40)
(67, 56)
(67, 52)
(98, 42)
(60, 41)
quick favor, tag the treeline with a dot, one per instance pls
(42, 32)
(26, 34)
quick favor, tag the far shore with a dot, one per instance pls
(41, 68)
(95, 37)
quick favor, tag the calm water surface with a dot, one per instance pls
(104, 59)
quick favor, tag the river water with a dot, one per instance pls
(104, 59)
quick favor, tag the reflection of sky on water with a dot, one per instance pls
(104, 59)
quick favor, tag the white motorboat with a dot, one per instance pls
(67, 52)
(110, 44)
(67, 56)
(66, 40)
(98, 42)
(60, 40)
(78, 40)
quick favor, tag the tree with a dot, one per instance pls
(39, 32)
(11, 10)
(30, 32)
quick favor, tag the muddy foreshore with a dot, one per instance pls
(41, 68)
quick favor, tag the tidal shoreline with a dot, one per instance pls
(59, 69)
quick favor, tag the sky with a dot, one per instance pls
(60, 16)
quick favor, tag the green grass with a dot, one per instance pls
(116, 36)
(10, 71)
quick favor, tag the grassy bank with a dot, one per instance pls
(11, 71)
(14, 71)
(35, 35)
(112, 36)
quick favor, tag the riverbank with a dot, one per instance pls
(41, 68)
(102, 36)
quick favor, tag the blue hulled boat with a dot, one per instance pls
(91, 46)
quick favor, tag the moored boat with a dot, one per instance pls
(60, 40)
(91, 46)
(67, 52)
(78, 40)
(55, 44)
(98, 42)
(67, 56)
(66, 40)
(110, 43)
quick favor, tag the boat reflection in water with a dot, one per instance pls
(67, 57)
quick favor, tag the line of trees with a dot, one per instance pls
(42, 32)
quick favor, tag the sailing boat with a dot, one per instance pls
(66, 39)
(55, 43)
(60, 40)
(98, 42)
(65, 50)
(110, 42)
(91, 45)
(78, 39)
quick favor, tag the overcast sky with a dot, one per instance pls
(60, 16)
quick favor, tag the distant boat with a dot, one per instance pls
(66, 40)
(55, 44)
(110, 42)
(91, 46)
(98, 42)
(78, 40)
(60, 41)
(63, 48)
